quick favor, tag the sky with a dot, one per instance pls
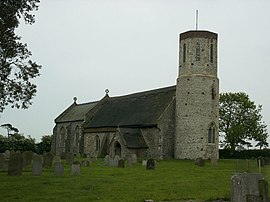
(128, 46)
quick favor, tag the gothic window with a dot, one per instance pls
(198, 52)
(76, 136)
(63, 137)
(211, 133)
(184, 53)
(97, 143)
(211, 53)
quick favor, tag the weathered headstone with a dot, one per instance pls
(214, 160)
(27, 158)
(200, 162)
(246, 188)
(85, 163)
(15, 164)
(107, 160)
(134, 158)
(144, 162)
(121, 163)
(130, 162)
(37, 165)
(58, 169)
(151, 164)
(76, 168)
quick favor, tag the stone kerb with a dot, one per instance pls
(15, 164)
(37, 165)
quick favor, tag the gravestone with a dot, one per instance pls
(15, 164)
(144, 162)
(151, 164)
(5, 165)
(76, 168)
(37, 165)
(27, 158)
(247, 187)
(2, 160)
(85, 163)
(121, 163)
(47, 160)
(214, 160)
(134, 158)
(69, 158)
(7, 154)
(107, 160)
(200, 162)
(130, 162)
(58, 169)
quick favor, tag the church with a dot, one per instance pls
(179, 121)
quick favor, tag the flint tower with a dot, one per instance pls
(197, 96)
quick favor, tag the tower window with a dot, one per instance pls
(184, 53)
(211, 53)
(211, 133)
(198, 52)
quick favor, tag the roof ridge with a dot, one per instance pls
(147, 92)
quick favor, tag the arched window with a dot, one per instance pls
(118, 149)
(184, 53)
(198, 52)
(211, 133)
(211, 53)
(63, 137)
(97, 143)
(76, 136)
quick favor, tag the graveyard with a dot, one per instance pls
(104, 180)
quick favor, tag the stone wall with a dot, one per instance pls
(197, 97)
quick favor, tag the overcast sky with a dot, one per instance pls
(127, 46)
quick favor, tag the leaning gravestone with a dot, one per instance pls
(200, 162)
(47, 160)
(58, 169)
(248, 187)
(151, 164)
(15, 164)
(37, 165)
(76, 168)
(121, 163)
(27, 158)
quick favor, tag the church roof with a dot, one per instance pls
(133, 138)
(75, 112)
(135, 110)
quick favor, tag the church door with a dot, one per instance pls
(118, 149)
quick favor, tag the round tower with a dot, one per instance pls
(197, 96)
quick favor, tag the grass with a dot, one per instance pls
(172, 180)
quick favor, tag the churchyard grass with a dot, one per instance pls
(171, 180)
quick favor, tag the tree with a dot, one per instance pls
(16, 67)
(240, 121)
(10, 129)
(46, 141)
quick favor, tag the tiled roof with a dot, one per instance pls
(75, 112)
(136, 110)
